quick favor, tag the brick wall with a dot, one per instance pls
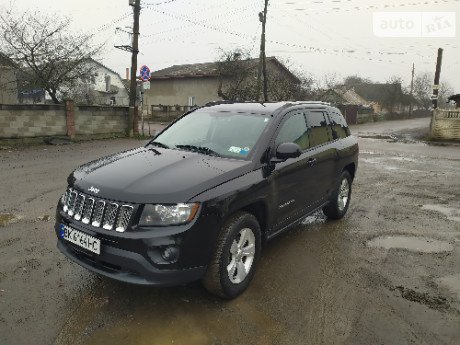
(100, 120)
(40, 120)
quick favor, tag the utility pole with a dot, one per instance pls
(437, 75)
(411, 91)
(262, 62)
(135, 50)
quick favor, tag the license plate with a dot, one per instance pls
(81, 239)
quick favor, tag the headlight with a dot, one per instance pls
(155, 215)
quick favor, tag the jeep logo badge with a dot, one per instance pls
(94, 190)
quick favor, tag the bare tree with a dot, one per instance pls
(353, 80)
(330, 80)
(392, 93)
(234, 71)
(238, 76)
(282, 87)
(47, 51)
(422, 89)
(445, 90)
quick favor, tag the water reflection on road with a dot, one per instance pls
(272, 307)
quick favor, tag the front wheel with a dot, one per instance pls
(236, 256)
(340, 200)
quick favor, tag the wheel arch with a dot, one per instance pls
(259, 210)
(351, 168)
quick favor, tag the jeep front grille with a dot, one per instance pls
(97, 212)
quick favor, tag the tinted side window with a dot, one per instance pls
(339, 126)
(294, 130)
(317, 128)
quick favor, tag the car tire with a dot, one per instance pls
(340, 199)
(236, 256)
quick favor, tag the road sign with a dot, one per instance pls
(145, 73)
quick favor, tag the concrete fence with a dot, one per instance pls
(19, 121)
(445, 124)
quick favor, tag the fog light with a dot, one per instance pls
(170, 254)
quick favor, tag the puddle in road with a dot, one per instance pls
(415, 244)
(117, 313)
(377, 136)
(405, 159)
(450, 213)
(451, 283)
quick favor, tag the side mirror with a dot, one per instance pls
(285, 151)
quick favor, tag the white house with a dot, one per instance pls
(105, 86)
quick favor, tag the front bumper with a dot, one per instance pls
(134, 256)
(128, 267)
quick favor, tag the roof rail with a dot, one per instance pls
(313, 102)
(261, 102)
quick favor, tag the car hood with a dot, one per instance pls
(155, 175)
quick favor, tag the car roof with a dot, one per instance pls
(267, 108)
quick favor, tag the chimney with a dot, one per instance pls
(127, 74)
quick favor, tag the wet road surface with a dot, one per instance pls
(387, 273)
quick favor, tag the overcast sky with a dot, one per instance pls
(321, 37)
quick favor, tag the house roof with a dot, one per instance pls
(207, 69)
(187, 71)
(351, 97)
(345, 96)
(377, 92)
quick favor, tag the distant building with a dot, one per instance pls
(384, 98)
(197, 84)
(103, 87)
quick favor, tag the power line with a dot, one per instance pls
(325, 10)
(158, 3)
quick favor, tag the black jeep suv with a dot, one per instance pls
(201, 198)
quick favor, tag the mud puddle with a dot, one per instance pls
(8, 218)
(434, 302)
(119, 313)
(411, 243)
(450, 213)
(451, 283)
(379, 137)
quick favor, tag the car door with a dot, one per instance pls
(324, 157)
(290, 182)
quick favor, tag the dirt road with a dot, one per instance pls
(388, 273)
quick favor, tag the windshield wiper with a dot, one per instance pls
(200, 149)
(157, 143)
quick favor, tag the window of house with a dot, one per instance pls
(191, 101)
(107, 83)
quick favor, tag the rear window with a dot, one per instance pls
(339, 125)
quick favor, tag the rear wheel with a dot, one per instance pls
(236, 256)
(340, 200)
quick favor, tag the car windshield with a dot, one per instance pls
(224, 134)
